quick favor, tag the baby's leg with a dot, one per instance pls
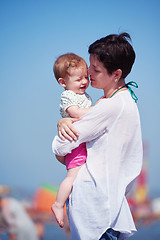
(63, 194)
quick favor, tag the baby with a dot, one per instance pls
(70, 70)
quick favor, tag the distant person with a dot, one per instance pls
(19, 224)
(97, 206)
(71, 73)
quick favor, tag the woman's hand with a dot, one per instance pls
(66, 130)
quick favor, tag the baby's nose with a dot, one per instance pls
(84, 80)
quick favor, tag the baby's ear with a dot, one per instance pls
(62, 82)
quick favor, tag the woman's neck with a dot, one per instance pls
(117, 87)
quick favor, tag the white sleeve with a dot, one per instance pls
(94, 124)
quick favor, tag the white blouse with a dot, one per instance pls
(112, 133)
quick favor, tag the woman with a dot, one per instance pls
(97, 206)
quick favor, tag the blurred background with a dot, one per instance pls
(32, 35)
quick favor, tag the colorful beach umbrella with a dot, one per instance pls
(44, 197)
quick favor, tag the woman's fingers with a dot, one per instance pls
(64, 135)
(61, 136)
(67, 133)
(66, 130)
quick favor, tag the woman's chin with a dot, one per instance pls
(93, 85)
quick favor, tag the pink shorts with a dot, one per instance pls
(77, 157)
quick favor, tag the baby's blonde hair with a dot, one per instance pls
(64, 62)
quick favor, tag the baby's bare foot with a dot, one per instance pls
(59, 214)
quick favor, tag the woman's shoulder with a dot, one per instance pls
(113, 105)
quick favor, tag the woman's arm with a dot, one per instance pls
(66, 129)
(94, 124)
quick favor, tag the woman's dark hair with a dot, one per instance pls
(115, 52)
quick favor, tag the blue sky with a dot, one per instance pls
(33, 34)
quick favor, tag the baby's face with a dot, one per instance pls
(77, 81)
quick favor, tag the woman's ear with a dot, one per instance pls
(62, 82)
(118, 74)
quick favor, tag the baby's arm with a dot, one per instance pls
(76, 111)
